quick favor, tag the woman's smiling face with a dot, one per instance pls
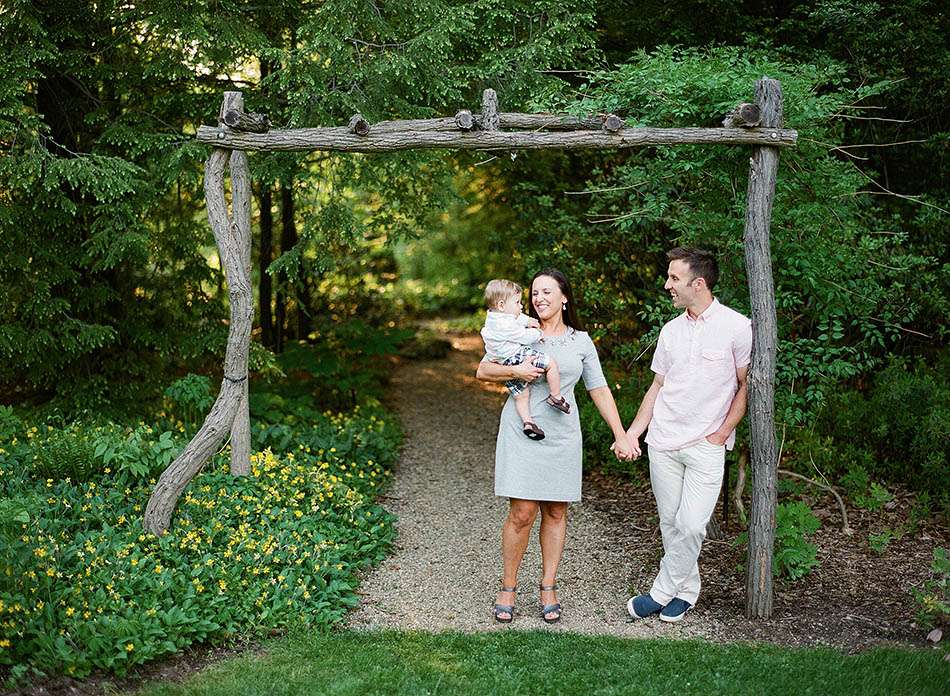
(546, 296)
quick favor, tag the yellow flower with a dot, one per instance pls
(5, 643)
(129, 647)
(70, 611)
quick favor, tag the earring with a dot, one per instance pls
(564, 307)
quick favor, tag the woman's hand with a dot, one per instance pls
(526, 370)
(623, 450)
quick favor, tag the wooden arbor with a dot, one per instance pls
(758, 125)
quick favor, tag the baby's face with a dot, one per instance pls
(512, 305)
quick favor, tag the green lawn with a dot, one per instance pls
(539, 662)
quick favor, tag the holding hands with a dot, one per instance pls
(625, 448)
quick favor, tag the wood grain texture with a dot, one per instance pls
(763, 170)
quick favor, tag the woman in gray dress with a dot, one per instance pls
(545, 475)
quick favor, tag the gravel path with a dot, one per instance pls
(446, 567)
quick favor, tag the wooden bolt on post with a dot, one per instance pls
(763, 169)
(612, 123)
(358, 125)
(743, 116)
(249, 123)
(464, 120)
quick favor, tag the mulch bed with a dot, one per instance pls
(855, 599)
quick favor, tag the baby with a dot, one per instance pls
(508, 333)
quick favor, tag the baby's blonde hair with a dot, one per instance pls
(499, 290)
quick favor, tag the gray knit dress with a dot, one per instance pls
(548, 469)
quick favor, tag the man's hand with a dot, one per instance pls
(533, 323)
(634, 440)
(717, 439)
(527, 370)
(624, 450)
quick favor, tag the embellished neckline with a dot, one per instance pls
(561, 340)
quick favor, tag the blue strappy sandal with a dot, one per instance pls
(505, 608)
(550, 608)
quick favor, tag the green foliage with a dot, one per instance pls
(345, 363)
(933, 599)
(899, 426)
(82, 587)
(880, 541)
(106, 260)
(795, 556)
(67, 456)
(189, 399)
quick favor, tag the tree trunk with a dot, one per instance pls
(266, 255)
(288, 239)
(232, 235)
(241, 230)
(763, 168)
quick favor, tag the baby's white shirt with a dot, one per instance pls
(505, 334)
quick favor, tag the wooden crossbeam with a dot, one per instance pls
(386, 138)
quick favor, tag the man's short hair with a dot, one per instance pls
(702, 263)
(499, 290)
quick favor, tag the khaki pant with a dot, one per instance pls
(686, 484)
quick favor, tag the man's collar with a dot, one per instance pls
(706, 315)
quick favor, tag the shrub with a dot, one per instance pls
(899, 428)
(189, 398)
(65, 455)
(795, 556)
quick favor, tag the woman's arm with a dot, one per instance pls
(604, 401)
(493, 372)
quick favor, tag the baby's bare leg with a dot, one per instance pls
(523, 406)
(554, 378)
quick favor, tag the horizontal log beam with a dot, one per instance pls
(341, 140)
(466, 120)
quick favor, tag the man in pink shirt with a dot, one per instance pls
(697, 399)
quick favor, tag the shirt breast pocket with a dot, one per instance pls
(716, 362)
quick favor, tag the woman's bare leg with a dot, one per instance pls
(552, 536)
(514, 541)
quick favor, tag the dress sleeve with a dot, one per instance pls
(593, 373)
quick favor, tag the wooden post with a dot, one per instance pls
(763, 168)
(489, 116)
(229, 414)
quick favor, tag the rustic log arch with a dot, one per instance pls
(758, 124)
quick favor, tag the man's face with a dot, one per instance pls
(680, 283)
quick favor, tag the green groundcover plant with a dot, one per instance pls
(82, 587)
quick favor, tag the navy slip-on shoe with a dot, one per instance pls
(675, 610)
(642, 606)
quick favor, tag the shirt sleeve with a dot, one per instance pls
(661, 356)
(742, 346)
(593, 373)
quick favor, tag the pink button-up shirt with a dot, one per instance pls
(698, 359)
